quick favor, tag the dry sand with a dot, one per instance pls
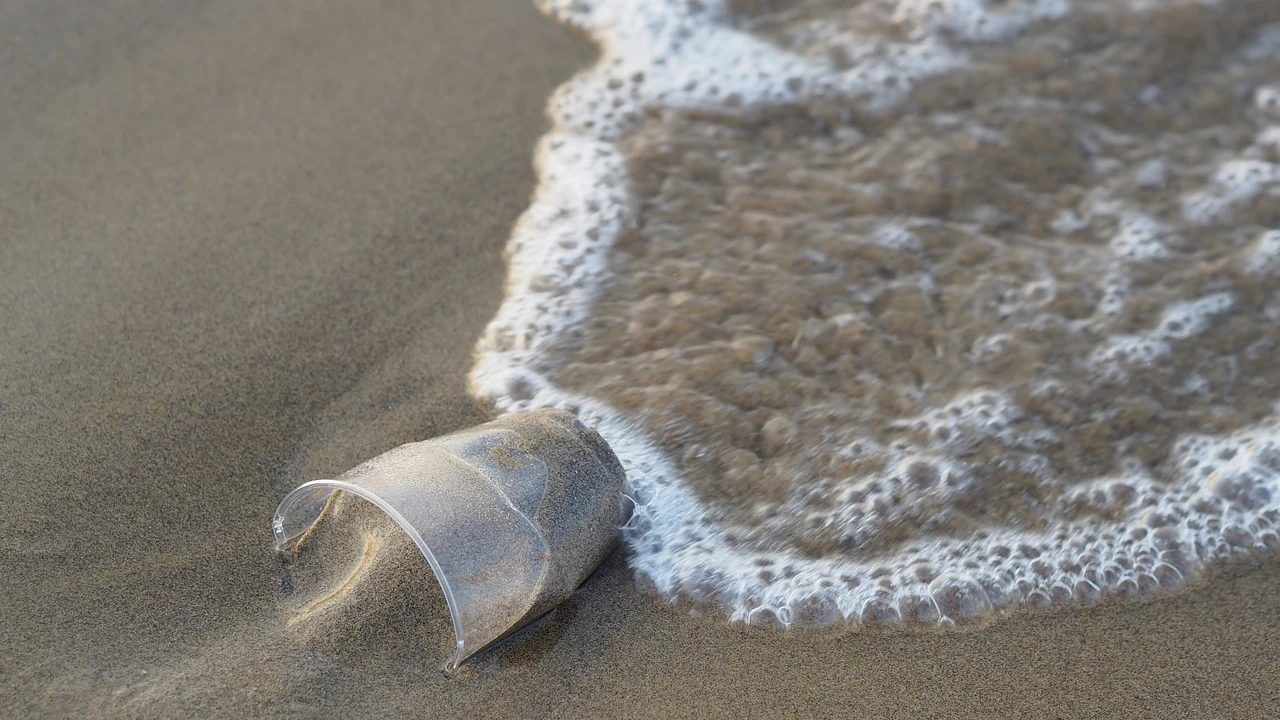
(244, 245)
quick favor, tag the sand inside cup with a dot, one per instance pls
(545, 466)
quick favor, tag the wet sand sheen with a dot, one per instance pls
(216, 286)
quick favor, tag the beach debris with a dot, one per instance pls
(512, 515)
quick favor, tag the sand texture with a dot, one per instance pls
(246, 245)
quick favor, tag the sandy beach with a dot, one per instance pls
(243, 246)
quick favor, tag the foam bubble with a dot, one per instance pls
(1236, 182)
(975, 20)
(1179, 321)
(1138, 238)
(1187, 319)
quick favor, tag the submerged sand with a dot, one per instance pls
(246, 246)
(1010, 341)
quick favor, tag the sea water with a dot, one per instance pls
(913, 310)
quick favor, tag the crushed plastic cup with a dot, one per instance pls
(512, 515)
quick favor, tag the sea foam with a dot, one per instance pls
(789, 469)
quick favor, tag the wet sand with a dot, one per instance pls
(248, 246)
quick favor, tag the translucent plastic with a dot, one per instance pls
(512, 515)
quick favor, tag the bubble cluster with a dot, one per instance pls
(1138, 236)
(892, 316)
(1235, 183)
(1179, 321)
(975, 20)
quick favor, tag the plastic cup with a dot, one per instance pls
(512, 515)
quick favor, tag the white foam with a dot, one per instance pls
(1139, 238)
(976, 20)
(1264, 255)
(1235, 183)
(1179, 321)
(898, 237)
(1115, 292)
(1187, 319)
(1113, 358)
(676, 54)
(1067, 222)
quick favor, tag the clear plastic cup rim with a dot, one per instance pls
(304, 490)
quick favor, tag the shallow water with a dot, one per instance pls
(914, 310)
